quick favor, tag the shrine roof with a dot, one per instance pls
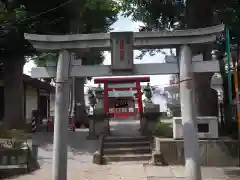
(35, 83)
(122, 79)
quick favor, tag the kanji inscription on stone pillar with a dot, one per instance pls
(122, 51)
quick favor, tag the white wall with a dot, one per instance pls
(52, 103)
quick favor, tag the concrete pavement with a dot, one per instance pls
(80, 165)
(80, 150)
(133, 172)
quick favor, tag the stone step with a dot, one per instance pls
(126, 139)
(128, 157)
(126, 144)
(144, 162)
(128, 150)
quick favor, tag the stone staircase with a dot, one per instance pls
(127, 149)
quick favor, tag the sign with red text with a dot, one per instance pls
(121, 50)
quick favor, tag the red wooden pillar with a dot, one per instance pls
(139, 96)
(105, 97)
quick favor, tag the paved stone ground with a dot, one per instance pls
(80, 165)
(80, 150)
(132, 172)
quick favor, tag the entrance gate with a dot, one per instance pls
(122, 96)
(122, 45)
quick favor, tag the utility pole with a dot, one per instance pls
(237, 96)
(61, 117)
(228, 51)
(191, 147)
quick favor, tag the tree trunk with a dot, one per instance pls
(80, 115)
(79, 97)
(200, 14)
(206, 98)
(227, 108)
(14, 93)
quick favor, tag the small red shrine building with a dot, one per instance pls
(122, 95)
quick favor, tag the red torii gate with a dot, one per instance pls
(122, 85)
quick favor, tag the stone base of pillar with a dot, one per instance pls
(98, 159)
(158, 159)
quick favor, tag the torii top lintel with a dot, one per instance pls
(141, 40)
(121, 80)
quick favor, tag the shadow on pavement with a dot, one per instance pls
(11, 173)
(80, 149)
(77, 141)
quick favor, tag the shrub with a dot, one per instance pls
(12, 138)
(164, 129)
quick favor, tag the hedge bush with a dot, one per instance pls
(12, 138)
(164, 129)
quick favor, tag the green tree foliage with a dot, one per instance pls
(177, 14)
(12, 41)
(174, 14)
(155, 14)
(44, 17)
(55, 17)
(13, 48)
(93, 16)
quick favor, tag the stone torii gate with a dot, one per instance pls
(122, 45)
